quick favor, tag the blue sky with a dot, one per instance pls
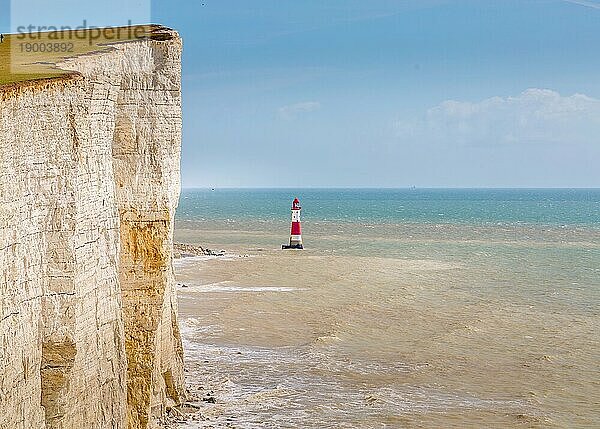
(389, 93)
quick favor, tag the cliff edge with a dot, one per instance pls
(89, 184)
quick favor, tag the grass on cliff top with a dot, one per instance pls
(26, 57)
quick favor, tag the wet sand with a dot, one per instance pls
(471, 336)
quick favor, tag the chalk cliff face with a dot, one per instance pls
(89, 183)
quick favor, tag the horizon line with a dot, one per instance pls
(398, 187)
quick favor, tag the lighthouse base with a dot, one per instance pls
(292, 246)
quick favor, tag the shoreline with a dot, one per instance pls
(432, 335)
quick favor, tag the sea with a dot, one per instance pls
(408, 308)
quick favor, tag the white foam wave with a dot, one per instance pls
(190, 260)
(221, 287)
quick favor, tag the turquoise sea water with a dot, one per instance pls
(461, 206)
(538, 245)
(408, 308)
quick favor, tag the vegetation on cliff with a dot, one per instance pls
(26, 57)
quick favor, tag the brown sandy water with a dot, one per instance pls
(393, 326)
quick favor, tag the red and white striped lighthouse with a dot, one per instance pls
(296, 232)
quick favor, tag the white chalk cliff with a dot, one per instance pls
(89, 184)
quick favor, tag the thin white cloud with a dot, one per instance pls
(292, 110)
(534, 116)
(585, 3)
(329, 16)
